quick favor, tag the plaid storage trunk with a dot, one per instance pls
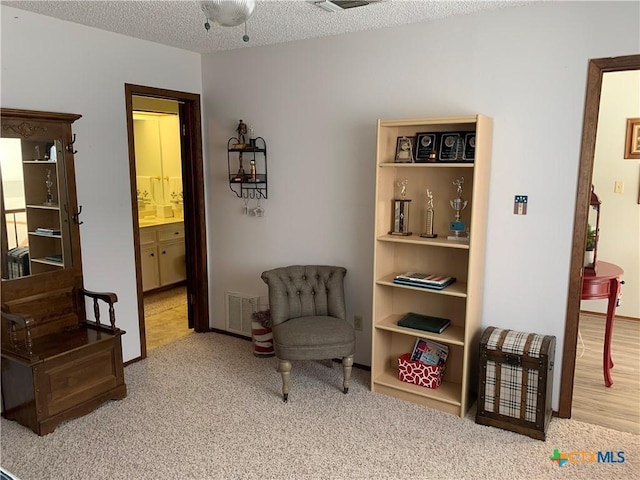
(516, 379)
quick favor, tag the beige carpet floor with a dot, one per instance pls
(204, 407)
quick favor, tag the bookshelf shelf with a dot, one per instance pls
(44, 261)
(452, 335)
(447, 392)
(457, 289)
(417, 240)
(426, 165)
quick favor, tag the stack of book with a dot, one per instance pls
(423, 280)
(47, 231)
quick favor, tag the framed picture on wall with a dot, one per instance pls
(632, 140)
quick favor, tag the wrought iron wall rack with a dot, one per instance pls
(249, 179)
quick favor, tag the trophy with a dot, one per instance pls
(458, 204)
(400, 219)
(404, 150)
(429, 217)
(49, 183)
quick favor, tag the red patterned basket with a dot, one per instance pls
(419, 373)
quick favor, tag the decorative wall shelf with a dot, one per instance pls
(249, 178)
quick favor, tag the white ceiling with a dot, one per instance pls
(181, 23)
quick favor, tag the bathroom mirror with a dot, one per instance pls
(156, 126)
(36, 214)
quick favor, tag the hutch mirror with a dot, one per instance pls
(39, 208)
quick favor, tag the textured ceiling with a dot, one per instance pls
(181, 23)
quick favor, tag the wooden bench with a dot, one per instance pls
(56, 364)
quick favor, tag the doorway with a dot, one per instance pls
(190, 205)
(596, 69)
(159, 190)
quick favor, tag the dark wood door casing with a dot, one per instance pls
(596, 69)
(194, 204)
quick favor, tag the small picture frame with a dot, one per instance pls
(405, 146)
(469, 154)
(632, 140)
(451, 147)
(427, 147)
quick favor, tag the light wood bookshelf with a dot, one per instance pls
(461, 302)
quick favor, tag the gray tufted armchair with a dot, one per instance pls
(309, 317)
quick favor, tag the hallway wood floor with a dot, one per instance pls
(616, 407)
(165, 317)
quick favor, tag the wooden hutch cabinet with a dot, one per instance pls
(56, 364)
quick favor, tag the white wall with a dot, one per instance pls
(57, 66)
(619, 213)
(316, 103)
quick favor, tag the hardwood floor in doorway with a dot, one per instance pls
(616, 407)
(165, 316)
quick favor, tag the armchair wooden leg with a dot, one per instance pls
(347, 363)
(284, 367)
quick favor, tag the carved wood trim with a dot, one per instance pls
(24, 129)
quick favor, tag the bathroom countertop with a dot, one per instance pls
(155, 222)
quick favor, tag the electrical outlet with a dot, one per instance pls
(357, 322)
(618, 186)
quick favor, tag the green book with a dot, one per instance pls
(424, 322)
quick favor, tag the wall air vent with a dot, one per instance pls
(337, 5)
(239, 308)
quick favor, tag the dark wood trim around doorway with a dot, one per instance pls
(194, 205)
(596, 69)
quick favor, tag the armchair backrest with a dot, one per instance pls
(305, 290)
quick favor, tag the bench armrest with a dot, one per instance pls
(25, 322)
(109, 298)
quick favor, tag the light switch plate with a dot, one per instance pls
(520, 204)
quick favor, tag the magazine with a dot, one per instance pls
(429, 352)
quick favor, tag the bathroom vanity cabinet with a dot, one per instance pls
(163, 254)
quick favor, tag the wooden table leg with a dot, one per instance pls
(607, 362)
